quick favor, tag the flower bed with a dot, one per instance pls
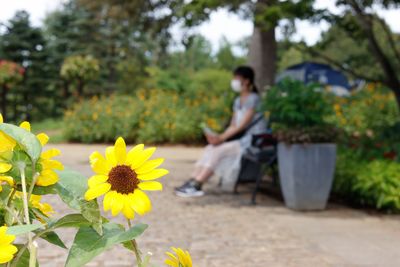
(151, 116)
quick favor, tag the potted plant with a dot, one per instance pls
(306, 149)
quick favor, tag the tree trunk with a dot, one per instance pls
(263, 47)
(263, 55)
(4, 101)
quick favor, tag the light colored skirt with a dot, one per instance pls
(224, 161)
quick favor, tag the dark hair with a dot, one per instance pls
(247, 73)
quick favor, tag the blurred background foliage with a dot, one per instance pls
(132, 47)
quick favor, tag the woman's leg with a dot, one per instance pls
(203, 175)
(215, 155)
(203, 161)
(205, 166)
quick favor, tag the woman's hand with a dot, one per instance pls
(214, 139)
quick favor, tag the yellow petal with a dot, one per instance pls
(182, 257)
(142, 157)
(150, 186)
(140, 202)
(47, 177)
(7, 179)
(154, 174)
(101, 166)
(172, 263)
(6, 239)
(96, 180)
(35, 198)
(120, 151)
(43, 138)
(6, 143)
(3, 229)
(5, 167)
(7, 253)
(96, 156)
(26, 126)
(149, 166)
(108, 200)
(46, 209)
(133, 154)
(110, 156)
(127, 209)
(48, 154)
(51, 164)
(172, 256)
(117, 204)
(97, 191)
(1, 118)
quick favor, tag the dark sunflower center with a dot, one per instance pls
(123, 179)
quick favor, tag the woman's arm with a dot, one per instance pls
(232, 129)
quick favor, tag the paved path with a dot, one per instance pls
(221, 230)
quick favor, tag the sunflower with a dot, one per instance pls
(6, 142)
(181, 259)
(122, 176)
(47, 175)
(7, 250)
(45, 208)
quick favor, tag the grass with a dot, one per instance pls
(52, 127)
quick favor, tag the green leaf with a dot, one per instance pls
(90, 210)
(88, 244)
(23, 229)
(25, 139)
(5, 193)
(72, 187)
(53, 238)
(44, 190)
(70, 220)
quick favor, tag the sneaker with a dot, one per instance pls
(189, 189)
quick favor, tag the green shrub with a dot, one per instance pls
(103, 119)
(370, 120)
(378, 184)
(212, 81)
(150, 116)
(298, 112)
(366, 112)
(373, 183)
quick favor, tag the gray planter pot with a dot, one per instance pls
(306, 174)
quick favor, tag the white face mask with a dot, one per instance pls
(236, 85)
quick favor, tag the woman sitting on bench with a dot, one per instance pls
(245, 123)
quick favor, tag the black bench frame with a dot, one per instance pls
(260, 157)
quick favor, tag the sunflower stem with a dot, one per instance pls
(32, 247)
(34, 179)
(10, 198)
(135, 247)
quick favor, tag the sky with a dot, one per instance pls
(221, 24)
